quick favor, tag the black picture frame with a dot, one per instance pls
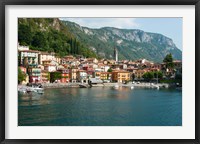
(4, 3)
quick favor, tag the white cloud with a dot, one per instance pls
(125, 23)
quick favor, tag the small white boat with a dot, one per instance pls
(132, 87)
(36, 88)
(22, 90)
(157, 87)
(116, 86)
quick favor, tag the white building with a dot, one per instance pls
(50, 68)
(44, 56)
(21, 48)
(98, 70)
(82, 76)
(28, 57)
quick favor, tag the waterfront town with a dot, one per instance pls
(74, 75)
(45, 68)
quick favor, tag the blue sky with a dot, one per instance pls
(170, 27)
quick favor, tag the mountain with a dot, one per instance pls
(64, 37)
(50, 34)
(131, 44)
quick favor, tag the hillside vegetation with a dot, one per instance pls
(49, 34)
(64, 37)
(132, 44)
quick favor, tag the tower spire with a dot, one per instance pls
(115, 54)
(114, 51)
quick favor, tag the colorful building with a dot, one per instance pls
(120, 76)
(82, 76)
(73, 75)
(34, 75)
(28, 58)
(106, 76)
(45, 56)
(65, 77)
(139, 73)
(45, 76)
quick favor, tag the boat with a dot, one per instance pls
(84, 86)
(157, 87)
(132, 87)
(116, 86)
(154, 86)
(22, 90)
(36, 88)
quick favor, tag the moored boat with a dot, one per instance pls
(116, 86)
(83, 85)
(36, 88)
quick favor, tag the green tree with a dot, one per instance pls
(24, 35)
(71, 48)
(169, 61)
(21, 76)
(158, 74)
(40, 34)
(148, 76)
(77, 48)
(39, 40)
(109, 70)
(55, 76)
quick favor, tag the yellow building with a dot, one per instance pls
(120, 76)
(105, 75)
(45, 76)
(97, 74)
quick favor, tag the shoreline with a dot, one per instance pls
(76, 85)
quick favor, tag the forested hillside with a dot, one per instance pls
(132, 44)
(50, 34)
(64, 37)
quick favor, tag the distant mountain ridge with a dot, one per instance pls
(131, 44)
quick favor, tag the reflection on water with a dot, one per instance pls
(101, 106)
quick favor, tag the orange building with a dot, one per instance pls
(120, 76)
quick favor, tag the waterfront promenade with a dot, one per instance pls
(142, 85)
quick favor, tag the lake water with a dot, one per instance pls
(101, 106)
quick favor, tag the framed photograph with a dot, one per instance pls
(99, 72)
